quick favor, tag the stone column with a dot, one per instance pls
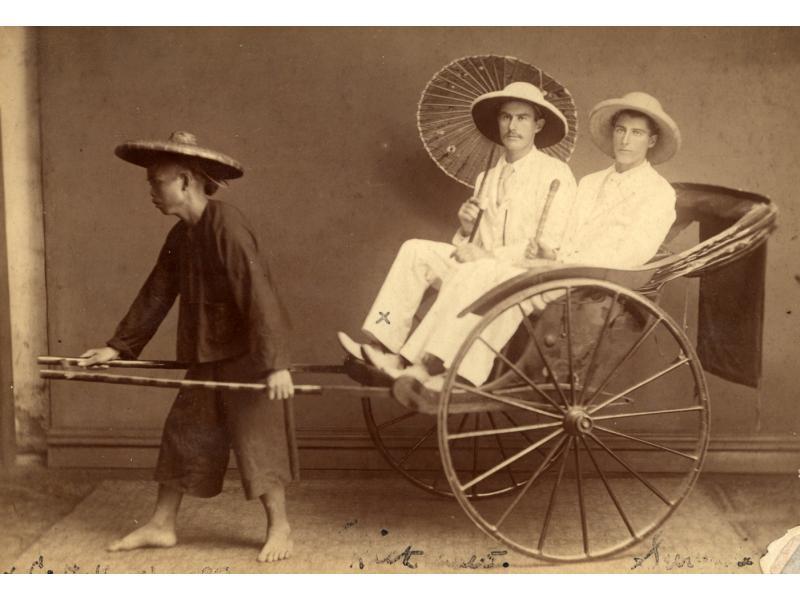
(22, 168)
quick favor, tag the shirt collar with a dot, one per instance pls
(530, 157)
(643, 169)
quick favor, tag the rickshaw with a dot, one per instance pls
(594, 424)
(602, 396)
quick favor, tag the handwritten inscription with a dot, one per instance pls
(38, 566)
(485, 562)
(671, 562)
(41, 567)
(215, 571)
(409, 558)
(651, 553)
(406, 556)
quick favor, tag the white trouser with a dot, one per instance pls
(419, 264)
(442, 331)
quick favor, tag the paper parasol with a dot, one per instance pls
(445, 120)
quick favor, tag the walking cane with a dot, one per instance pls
(551, 193)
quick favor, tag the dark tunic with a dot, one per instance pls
(228, 303)
(231, 327)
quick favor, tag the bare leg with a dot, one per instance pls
(279, 542)
(159, 531)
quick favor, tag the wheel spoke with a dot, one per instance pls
(553, 496)
(546, 463)
(581, 502)
(630, 469)
(592, 361)
(462, 423)
(510, 391)
(524, 377)
(550, 372)
(419, 443)
(510, 460)
(649, 412)
(475, 441)
(496, 432)
(505, 400)
(459, 430)
(499, 441)
(396, 420)
(522, 433)
(517, 389)
(625, 399)
(497, 370)
(641, 441)
(515, 424)
(641, 384)
(609, 490)
(423, 479)
(622, 361)
(568, 309)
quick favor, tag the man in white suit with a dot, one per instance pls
(513, 199)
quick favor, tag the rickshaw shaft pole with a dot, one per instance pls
(67, 361)
(201, 384)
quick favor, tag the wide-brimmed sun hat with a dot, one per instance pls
(145, 153)
(485, 107)
(600, 126)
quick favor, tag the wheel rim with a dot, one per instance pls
(600, 475)
(401, 437)
(407, 441)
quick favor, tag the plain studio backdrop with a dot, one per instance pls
(324, 121)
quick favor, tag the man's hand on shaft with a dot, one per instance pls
(95, 357)
(280, 385)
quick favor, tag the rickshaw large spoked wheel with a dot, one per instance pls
(407, 441)
(624, 434)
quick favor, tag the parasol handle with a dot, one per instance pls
(551, 193)
(475, 227)
(480, 194)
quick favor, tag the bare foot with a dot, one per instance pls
(278, 546)
(147, 536)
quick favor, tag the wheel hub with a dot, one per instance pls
(577, 422)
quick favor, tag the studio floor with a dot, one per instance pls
(61, 520)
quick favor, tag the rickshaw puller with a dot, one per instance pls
(231, 327)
